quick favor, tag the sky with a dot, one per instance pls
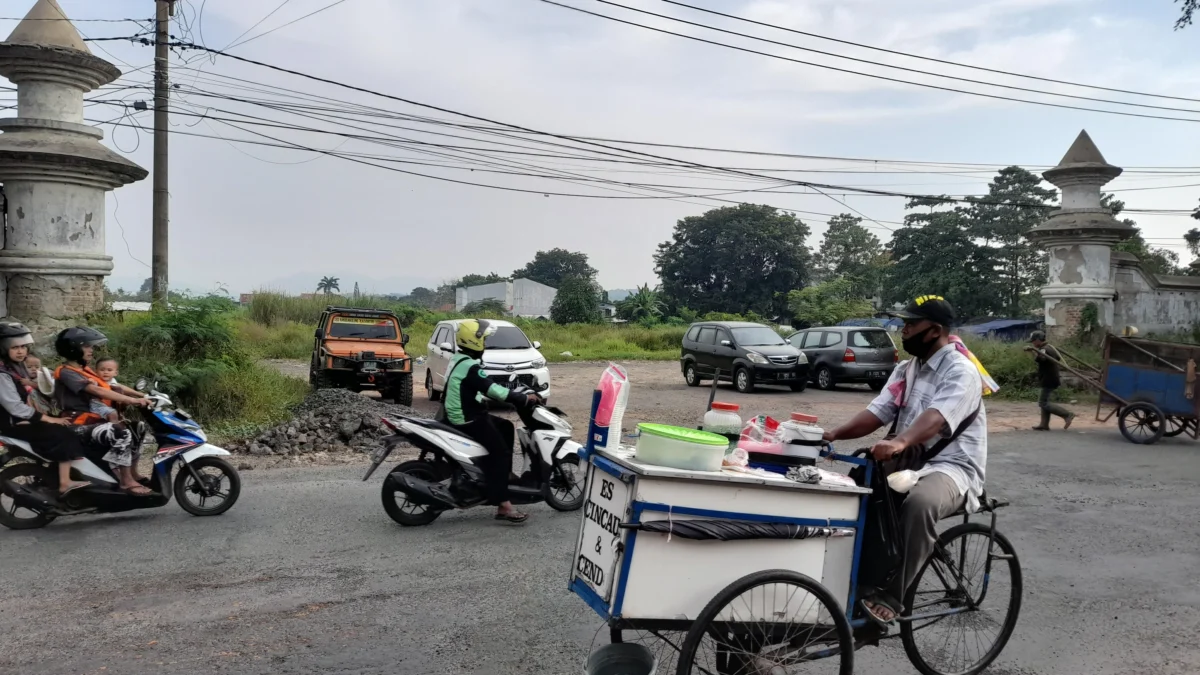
(247, 217)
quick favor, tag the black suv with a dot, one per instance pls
(743, 353)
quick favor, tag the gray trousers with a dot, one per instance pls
(1049, 408)
(934, 497)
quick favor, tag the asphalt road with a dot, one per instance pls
(307, 575)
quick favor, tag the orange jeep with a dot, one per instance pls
(359, 349)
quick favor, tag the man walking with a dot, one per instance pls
(1047, 359)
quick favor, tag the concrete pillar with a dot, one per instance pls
(55, 172)
(1079, 238)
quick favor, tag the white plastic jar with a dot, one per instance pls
(802, 436)
(723, 419)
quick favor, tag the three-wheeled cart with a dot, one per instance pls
(1149, 385)
(734, 574)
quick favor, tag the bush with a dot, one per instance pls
(269, 308)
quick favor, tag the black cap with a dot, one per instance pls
(931, 307)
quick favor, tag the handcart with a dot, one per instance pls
(727, 574)
(1149, 385)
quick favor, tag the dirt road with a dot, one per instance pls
(659, 394)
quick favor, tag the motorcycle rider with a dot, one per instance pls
(49, 435)
(466, 387)
(78, 385)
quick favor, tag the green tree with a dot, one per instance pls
(422, 297)
(486, 308)
(478, 280)
(577, 301)
(1155, 260)
(328, 285)
(555, 266)
(1185, 13)
(734, 259)
(829, 303)
(934, 253)
(1000, 222)
(641, 305)
(849, 251)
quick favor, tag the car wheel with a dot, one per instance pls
(743, 381)
(825, 378)
(432, 393)
(799, 386)
(691, 376)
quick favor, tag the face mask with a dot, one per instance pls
(917, 345)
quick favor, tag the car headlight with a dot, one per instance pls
(540, 363)
(802, 358)
(755, 357)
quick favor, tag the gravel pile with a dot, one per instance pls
(328, 421)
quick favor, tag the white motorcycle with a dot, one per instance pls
(447, 475)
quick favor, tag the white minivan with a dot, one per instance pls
(506, 352)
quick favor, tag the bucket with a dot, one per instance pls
(627, 658)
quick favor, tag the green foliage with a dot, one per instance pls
(687, 316)
(328, 285)
(555, 266)
(849, 251)
(1155, 260)
(488, 308)
(268, 308)
(723, 316)
(478, 280)
(642, 305)
(1186, 12)
(828, 303)
(1089, 322)
(577, 301)
(1001, 222)
(734, 259)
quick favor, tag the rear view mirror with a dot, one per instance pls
(537, 345)
(404, 340)
(318, 333)
(726, 343)
(446, 347)
(141, 384)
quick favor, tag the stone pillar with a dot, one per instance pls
(1079, 238)
(55, 172)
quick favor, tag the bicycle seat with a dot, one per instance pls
(986, 505)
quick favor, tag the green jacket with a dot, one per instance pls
(466, 388)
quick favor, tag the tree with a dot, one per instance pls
(357, 295)
(642, 305)
(577, 301)
(934, 254)
(1155, 260)
(1192, 238)
(486, 308)
(1185, 13)
(146, 289)
(734, 259)
(851, 252)
(1001, 222)
(422, 297)
(328, 285)
(555, 266)
(479, 280)
(829, 303)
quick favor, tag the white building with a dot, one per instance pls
(521, 297)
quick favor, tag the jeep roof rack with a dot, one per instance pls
(361, 310)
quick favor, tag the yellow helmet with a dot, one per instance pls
(472, 333)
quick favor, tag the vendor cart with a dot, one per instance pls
(740, 574)
(1149, 385)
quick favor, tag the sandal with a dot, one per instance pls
(515, 517)
(877, 602)
(73, 488)
(138, 491)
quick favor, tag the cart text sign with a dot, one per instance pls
(596, 562)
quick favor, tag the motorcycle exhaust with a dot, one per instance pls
(423, 492)
(26, 498)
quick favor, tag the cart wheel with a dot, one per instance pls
(967, 643)
(1177, 425)
(664, 644)
(767, 622)
(1142, 423)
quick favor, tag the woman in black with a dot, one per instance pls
(50, 437)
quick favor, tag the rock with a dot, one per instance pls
(291, 431)
(348, 429)
(302, 438)
(245, 466)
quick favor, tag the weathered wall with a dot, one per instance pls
(1083, 264)
(501, 291)
(1065, 315)
(532, 299)
(1151, 303)
(37, 296)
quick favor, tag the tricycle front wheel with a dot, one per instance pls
(767, 622)
(1142, 423)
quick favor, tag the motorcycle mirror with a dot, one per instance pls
(141, 384)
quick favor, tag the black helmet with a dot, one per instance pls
(70, 343)
(13, 335)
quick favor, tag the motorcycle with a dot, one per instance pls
(447, 474)
(204, 485)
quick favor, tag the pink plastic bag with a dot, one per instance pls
(761, 434)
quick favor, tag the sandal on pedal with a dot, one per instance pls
(514, 517)
(877, 602)
(139, 491)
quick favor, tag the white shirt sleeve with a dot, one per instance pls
(958, 394)
(884, 406)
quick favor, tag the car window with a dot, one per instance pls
(812, 339)
(756, 336)
(707, 335)
(796, 340)
(723, 336)
(438, 336)
(832, 339)
(872, 339)
(362, 327)
(507, 337)
(694, 333)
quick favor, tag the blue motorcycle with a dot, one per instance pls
(203, 482)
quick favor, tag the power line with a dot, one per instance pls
(329, 6)
(928, 58)
(870, 75)
(257, 24)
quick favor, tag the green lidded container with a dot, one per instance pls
(680, 447)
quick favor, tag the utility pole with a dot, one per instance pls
(164, 9)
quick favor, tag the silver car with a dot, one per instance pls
(847, 354)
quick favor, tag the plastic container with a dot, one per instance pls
(801, 436)
(680, 448)
(723, 419)
(614, 394)
(622, 658)
(761, 435)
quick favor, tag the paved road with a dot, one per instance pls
(307, 575)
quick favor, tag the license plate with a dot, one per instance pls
(877, 374)
(378, 454)
(787, 376)
(370, 366)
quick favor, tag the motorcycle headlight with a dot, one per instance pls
(755, 357)
(540, 363)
